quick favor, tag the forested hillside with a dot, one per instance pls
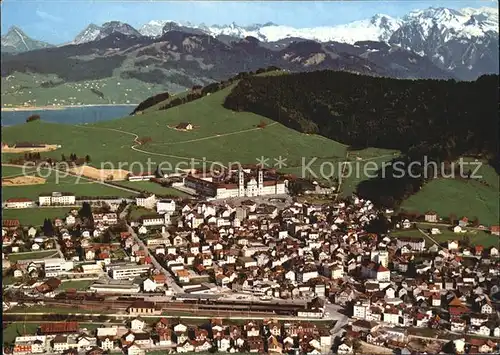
(436, 119)
(440, 118)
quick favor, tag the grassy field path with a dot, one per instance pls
(137, 143)
(134, 146)
(216, 135)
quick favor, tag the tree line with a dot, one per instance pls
(197, 91)
(32, 118)
(151, 101)
(440, 119)
(73, 158)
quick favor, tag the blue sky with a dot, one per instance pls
(57, 21)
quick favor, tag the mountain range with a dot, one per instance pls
(432, 43)
(15, 41)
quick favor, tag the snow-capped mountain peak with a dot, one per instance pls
(379, 27)
(93, 32)
(89, 34)
(466, 23)
(153, 28)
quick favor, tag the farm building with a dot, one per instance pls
(19, 203)
(185, 126)
(28, 145)
(141, 177)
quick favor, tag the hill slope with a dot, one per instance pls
(443, 118)
(428, 120)
(223, 135)
(219, 135)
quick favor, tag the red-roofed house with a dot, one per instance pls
(495, 230)
(463, 222)
(124, 235)
(160, 279)
(11, 223)
(59, 328)
(383, 274)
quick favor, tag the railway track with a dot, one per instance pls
(123, 305)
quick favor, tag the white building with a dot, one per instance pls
(246, 186)
(105, 218)
(135, 349)
(19, 203)
(94, 268)
(56, 199)
(137, 324)
(165, 206)
(380, 256)
(153, 220)
(306, 275)
(141, 177)
(57, 266)
(126, 271)
(361, 309)
(149, 285)
(115, 288)
(383, 274)
(146, 201)
(107, 336)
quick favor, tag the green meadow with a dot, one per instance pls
(462, 197)
(55, 181)
(34, 216)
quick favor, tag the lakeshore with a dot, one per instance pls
(67, 114)
(49, 108)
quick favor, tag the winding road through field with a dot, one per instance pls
(216, 135)
(138, 143)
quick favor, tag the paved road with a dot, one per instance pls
(215, 135)
(429, 237)
(137, 143)
(341, 176)
(435, 224)
(123, 214)
(170, 281)
(58, 247)
(334, 314)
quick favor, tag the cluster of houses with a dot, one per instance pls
(44, 200)
(173, 335)
(387, 284)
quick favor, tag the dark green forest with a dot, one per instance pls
(434, 117)
(440, 119)
(151, 101)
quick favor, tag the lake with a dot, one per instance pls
(70, 115)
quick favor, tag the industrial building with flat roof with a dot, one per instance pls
(126, 271)
(115, 288)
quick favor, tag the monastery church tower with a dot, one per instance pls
(241, 183)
